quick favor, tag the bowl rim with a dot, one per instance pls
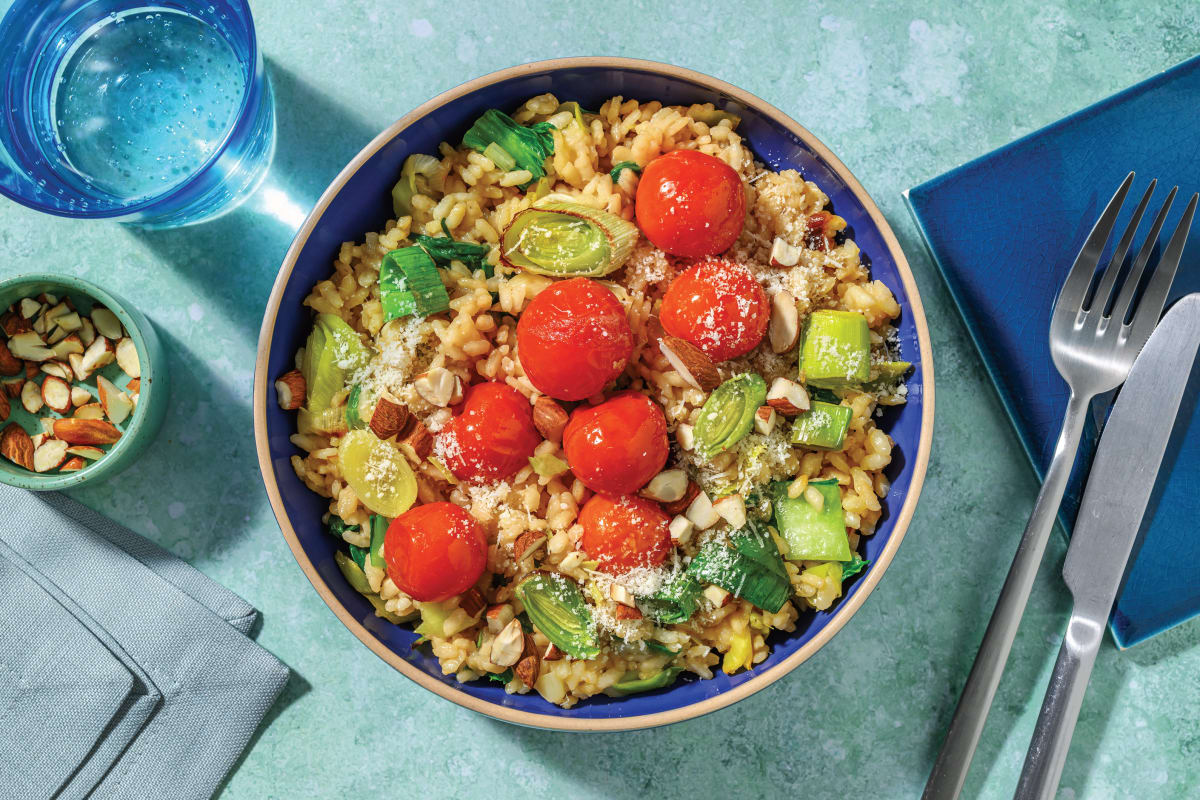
(113, 461)
(732, 695)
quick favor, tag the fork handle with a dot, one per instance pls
(954, 760)
(1060, 710)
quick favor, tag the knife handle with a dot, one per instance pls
(1060, 710)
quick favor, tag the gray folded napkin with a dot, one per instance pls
(181, 689)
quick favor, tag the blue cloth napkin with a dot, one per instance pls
(180, 687)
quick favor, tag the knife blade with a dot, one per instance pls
(1119, 488)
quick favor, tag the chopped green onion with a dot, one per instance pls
(409, 284)
(500, 157)
(555, 605)
(333, 349)
(749, 567)
(567, 240)
(548, 466)
(406, 187)
(823, 426)
(617, 169)
(528, 146)
(728, 414)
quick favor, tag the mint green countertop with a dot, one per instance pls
(901, 92)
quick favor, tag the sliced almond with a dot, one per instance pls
(70, 322)
(89, 411)
(86, 431)
(59, 369)
(47, 424)
(290, 390)
(9, 363)
(508, 644)
(98, 355)
(76, 362)
(784, 328)
(621, 594)
(716, 595)
(667, 486)
(73, 464)
(54, 312)
(127, 358)
(12, 386)
(419, 439)
(390, 417)
(49, 455)
(626, 612)
(681, 529)
(56, 393)
(31, 397)
(681, 505)
(701, 513)
(690, 362)
(764, 420)
(12, 323)
(86, 451)
(784, 254)
(5, 407)
(38, 438)
(732, 509)
(17, 446)
(498, 616)
(55, 336)
(549, 418)
(107, 324)
(527, 544)
(71, 344)
(530, 664)
(29, 307)
(28, 347)
(439, 386)
(117, 404)
(80, 396)
(87, 331)
(685, 435)
(787, 397)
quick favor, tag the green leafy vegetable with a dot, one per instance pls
(633, 684)
(501, 677)
(567, 240)
(835, 349)
(556, 607)
(675, 601)
(379, 526)
(749, 567)
(337, 526)
(855, 565)
(409, 283)
(615, 172)
(406, 187)
(823, 426)
(354, 409)
(443, 250)
(811, 533)
(528, 146)
(659, 647)
(359, 555)
(333, 349)
(728, 413)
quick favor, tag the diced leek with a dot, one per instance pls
(433, 619)
(749, 567)
(567, 240)
(377, 473)
(443, 250)
(575, 109)
(500, 157)
(409, 283)
(352, 572)
(541, 190)
(615, 172)
(830, 575)
(529, 146)
(728, 413)
(548, 466)
(354, 408)
(406, 187)
(632, 684)
(333, 349)
(675, 601)
(811, 533)
(556, 606)
(710, 115)
(381, 611)
(379, 526)
(822, 427)
(740, 654)
(835, 351)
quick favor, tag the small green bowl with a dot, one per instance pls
(139, 430)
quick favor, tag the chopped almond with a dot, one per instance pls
(30, 307)
(70, 344)
(100, 354)
(784, 254)
(38, 438)
(47, 424)
(717, 596)
(86, 431)
(5, 407)
(549, 418)
(107, 324)
(732, 509)
(85, 451)
(12, 386)
(69, 322)
(419, 439)
(439, 387)
(127, 358)
(680, 506)
(17, 446)
(31, 397)
(9, 363)
(685, 435)
(621, 595)
(12, 323)
(87, 332)
(764, 420)
(49, 455)
(701, 513)
(626, 612)
(56, 393)
(28, 347)
(80, 396)
(784, 328)
(667, 486)
(527, 544)
(390, 417)
(498, 616)
(134, 388)
(59, 369)
(552, 653)
(76, 362)
(787, 397)
(89, 411)
(508, 645)
(73, 465)
(117, 404)
(530, 665)
(681, 529)
(691, 363)
(471, 601)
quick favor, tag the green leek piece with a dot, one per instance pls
(822, 427)
(548, 466)
(575, 109)
(556, 607)
(406, 187)
(728, 413)
(409, 283)
(381, 611)
(888, 373)
(354, 409)
(500, 157)
(443, 250)
(811, 534)
(831, 571)
(713, 116)
(528, 146)
(854, 566)
(824, 395)
(353, 573)
(749, 567)
(633, 684)
(433, 619)
(615, 172)
(674, 602)
(379, 526)
(378, 473)
(333, 349)
(835, 351)
(337, 526)
(567, 240)
(740, 654)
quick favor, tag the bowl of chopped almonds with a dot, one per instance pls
(83, 382)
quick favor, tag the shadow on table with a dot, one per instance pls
(295, 688)
(233, 259)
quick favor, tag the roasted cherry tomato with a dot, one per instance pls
(624, 533)
(718, 306)
(493, 437)
(616, 447)
(435, 551)
(573, 338)
(690, 204)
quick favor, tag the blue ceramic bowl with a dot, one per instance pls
(359, 201)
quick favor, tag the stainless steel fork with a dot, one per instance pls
(1094, 338)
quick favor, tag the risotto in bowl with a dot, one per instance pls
(594, 394)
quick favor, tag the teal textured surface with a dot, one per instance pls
(901, 93)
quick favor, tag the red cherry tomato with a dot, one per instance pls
(624, 533)
(718, 306)
(690, 204)
(492, 438)
(573, 338)
(435, 551)
(616, 447)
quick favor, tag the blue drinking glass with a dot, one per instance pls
(151, 112)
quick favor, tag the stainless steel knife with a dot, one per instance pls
(1118, 490)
